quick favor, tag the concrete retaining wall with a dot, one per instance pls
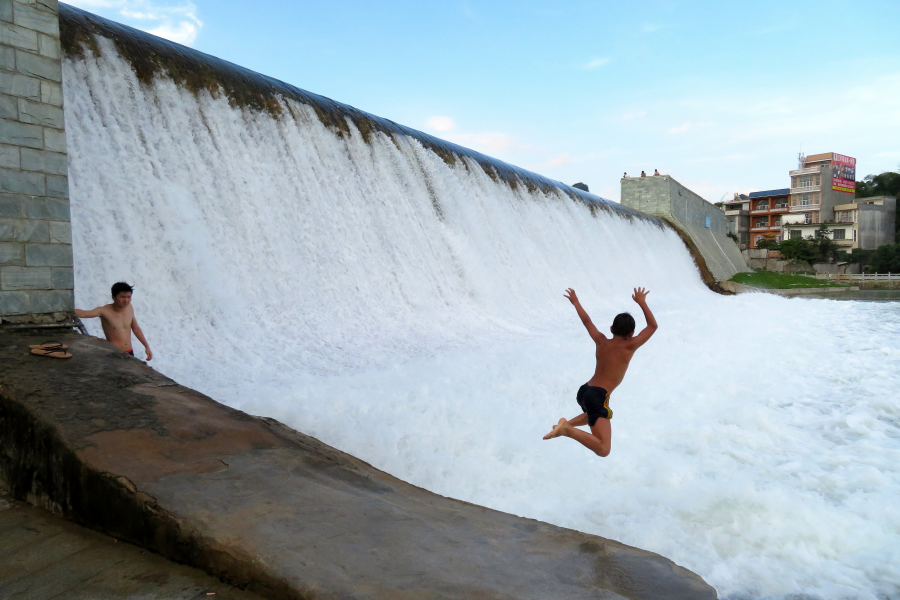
(704, 223)
(36, 279)
(740, 288)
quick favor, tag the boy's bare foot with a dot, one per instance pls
(558, 429)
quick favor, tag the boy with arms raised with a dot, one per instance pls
(613, 356)
(118, 320)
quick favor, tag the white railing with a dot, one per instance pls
(759, 210)
(806, 189)
(806, 207)
(859, 276)
(780, 207)
(806, 171)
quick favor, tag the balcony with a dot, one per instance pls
(806, 189)
(806, 171)
(796, 209)
(736, 213)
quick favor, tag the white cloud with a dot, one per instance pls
(176, 21)
(562, 159)
(494, 141)
(651, 27)
(634, 115)
(597, 62)
(439, 123)
(182, 33)
(680, 128)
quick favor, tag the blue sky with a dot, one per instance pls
(721, 95)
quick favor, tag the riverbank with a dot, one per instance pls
(107, 442)
(771, 280)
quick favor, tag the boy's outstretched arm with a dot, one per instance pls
(640, 296)
(592, 330)
(88, 314)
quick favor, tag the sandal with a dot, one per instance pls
(49, 346)
(52, 353)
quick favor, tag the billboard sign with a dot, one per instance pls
(843, 173)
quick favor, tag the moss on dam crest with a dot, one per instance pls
(109, 443)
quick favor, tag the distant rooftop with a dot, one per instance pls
(767, 193)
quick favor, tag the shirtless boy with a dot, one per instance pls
(613, 356)
(118, 320)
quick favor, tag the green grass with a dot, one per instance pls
(779, 281)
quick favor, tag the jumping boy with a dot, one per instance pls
(613, 356)
(118, 320)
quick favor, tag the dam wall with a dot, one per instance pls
(36, 274)
(703, 223)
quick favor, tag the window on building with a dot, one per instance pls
(764, 205)
(807, 218)
(762, 223)
(777, 238)
(816, 216)
(854, 235)
(839, 234)
(796, 234)
(757, 240)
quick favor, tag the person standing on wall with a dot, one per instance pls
(118, 320)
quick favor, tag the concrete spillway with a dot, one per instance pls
(106, 441)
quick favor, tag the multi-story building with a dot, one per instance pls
(737, 211)
(866, 223)
(821, 182)
(766, 212)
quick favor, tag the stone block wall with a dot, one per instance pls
(36, 278)
(662, 196)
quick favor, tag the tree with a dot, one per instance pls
(800, 250)
(886, 259)
(886, 184)
(768, 243)
(827, 247)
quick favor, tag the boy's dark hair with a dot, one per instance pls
(119, 287)
(623, 324)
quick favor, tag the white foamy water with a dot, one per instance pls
(290, 273)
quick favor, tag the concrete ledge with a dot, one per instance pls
(739, 288)
(107, 442)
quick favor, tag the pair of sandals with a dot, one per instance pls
(51, 349)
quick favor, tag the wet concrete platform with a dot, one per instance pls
(45, 557)
(109, 443)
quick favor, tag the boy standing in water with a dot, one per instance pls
(118, 320)
(613, 356)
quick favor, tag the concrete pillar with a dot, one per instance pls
(36, 280)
